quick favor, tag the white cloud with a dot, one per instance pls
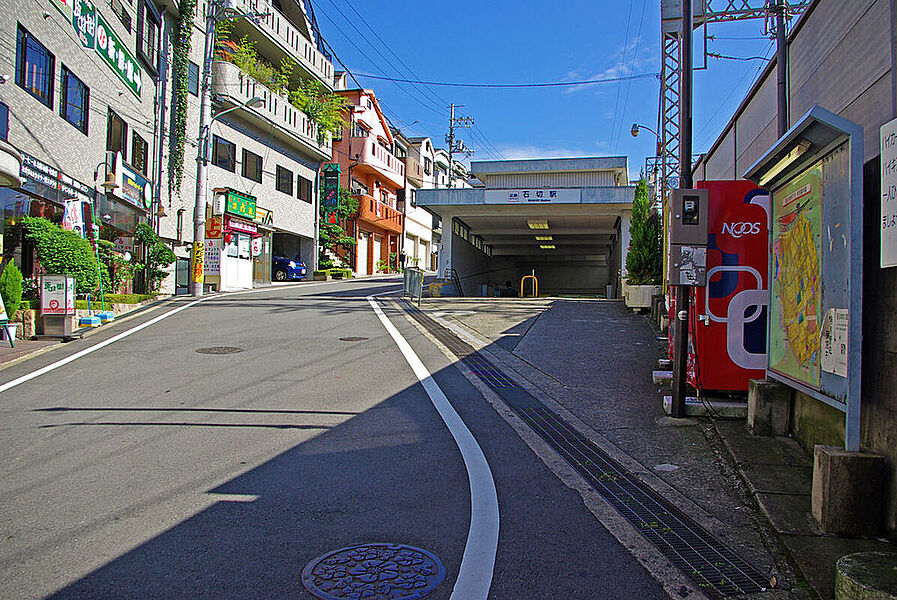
(629, 58)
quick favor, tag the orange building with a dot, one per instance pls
(370, 170)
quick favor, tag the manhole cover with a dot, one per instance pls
(219, 350)
(374, 571)
(352, 339)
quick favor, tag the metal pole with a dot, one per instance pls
(781, 68)
(202, 158)
(683, 298)
(451, 141)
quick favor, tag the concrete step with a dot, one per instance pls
(694, 407)
(662, 377)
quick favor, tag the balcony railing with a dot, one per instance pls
(380, 159)
(231, 84)
(283, 33)
(379, 214)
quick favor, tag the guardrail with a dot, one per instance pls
(413, 283)
(535, 286)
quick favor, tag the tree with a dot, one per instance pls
(11, 288)
(644, 259)
(158, 255)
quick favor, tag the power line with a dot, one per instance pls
(515, 85)
(726, 57)
(638, 39)
(613, 127)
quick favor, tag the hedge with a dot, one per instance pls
(95, 303)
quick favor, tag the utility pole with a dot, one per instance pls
(781, 67)
(456, 145)
(683, 293)
(197, 270)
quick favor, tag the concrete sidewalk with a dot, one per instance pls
(595, 359)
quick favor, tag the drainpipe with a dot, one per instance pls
(781, 69)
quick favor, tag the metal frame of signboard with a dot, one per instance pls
(826, 132)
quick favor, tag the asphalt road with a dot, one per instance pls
(148, 470)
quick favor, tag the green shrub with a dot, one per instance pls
(158, 255)
(63, 252)
(11, 288)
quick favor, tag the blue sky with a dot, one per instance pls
(500, 41)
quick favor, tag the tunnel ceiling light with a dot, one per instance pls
(542, 224)
(546, 246)
(543, 238)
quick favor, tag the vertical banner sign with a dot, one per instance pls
(331, 187)
(889, 194)
(197, 266)
(84, 20)
(116, 55)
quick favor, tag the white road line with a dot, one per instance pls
(478, 562)
(61, 363)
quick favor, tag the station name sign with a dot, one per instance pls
(534, 196)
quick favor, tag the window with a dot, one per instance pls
(413, 197)
(193, 78)
(119, 9)
(303, 188)
(252, 166)
(139, 151)
(384, 197)
(74, 101)
(117, 135)
(148, 27)
(4, 122)
(284, 180)
(338, 134)
(224, 154)
(359, 130)
(400, 151)
(35, 67)
(428, 166)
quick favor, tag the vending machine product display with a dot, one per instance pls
(727, 324)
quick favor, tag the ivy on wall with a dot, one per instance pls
(181, 71)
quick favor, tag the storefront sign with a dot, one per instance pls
(95, 34)
(40, 176)
(196, 268)
(57, 295)
(213, 257)
(213, 228)
(132, 186)
(116, 55)
(242, 226)
(889, 194)
(84, 20)
(241, 205)
(73, 217)
(533, 196)
(330, 186)
(256, 246)
(263, 216)
(124, 245)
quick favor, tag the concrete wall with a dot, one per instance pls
(841, 60)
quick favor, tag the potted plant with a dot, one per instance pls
(11, 291)
(644, 261)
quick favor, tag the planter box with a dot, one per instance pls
(321, 277)
(639, 296)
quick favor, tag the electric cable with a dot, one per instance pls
(549, 84)
(613, 126)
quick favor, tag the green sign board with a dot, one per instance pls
(84, 20)
(240, 205)
(116, 55)
(330, 186)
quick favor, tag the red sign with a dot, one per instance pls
(213, 228)
(241, 226)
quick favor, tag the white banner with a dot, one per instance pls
(534, 196)
(889, 194)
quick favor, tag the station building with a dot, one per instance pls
(564, 220)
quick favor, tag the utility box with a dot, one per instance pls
(57, 304)
(688, 238)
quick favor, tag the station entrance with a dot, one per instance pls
(566, 221)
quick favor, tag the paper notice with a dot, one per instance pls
(834, 341)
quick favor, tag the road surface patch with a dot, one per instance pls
(374, 571)
(219, 350)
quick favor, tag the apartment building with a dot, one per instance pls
(78, 85)
(417, 240)
(264, 152)
(375, 176)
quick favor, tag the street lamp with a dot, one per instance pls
(199, 216)
(636, 127)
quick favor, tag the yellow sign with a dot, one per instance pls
(197, 262)
(213, 228)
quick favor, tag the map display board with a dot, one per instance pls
(796, 291)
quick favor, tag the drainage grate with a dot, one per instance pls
(713, 567)
(353, 339)
(373, 571)
(219, 350)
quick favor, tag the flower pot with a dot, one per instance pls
(11, 328)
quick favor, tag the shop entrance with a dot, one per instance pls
(362, 254)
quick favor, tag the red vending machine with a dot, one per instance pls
(727, 324)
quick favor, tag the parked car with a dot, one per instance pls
(288, 269)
